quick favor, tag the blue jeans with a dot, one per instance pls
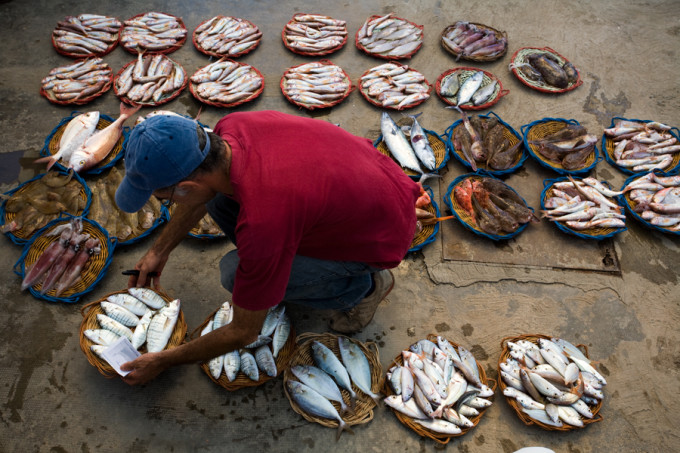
(316, 283)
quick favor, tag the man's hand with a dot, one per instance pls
(144, 368)
(150, 262)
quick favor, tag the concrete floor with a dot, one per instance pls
(52, 400)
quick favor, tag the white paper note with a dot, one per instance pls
(119, 352)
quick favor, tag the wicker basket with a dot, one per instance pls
(349, 89)
(631, 204)
(363, 410)
(90, 312)
(505, 354)
(319, 53)
(243, 381)
(497, 33)
(369, 98)
(509, 133)
(166, 97)
(464, 74)
(429, 232)
(193, 85)
(49, 94)
(545, 127)
(390, 57)
(590, 233)
(219, 55)
(92, 273)
(420, 429)
(520, 57)
(441, 154)
(135, 49)
(66, 53)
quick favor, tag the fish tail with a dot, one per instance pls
(425, 176)
(342, 426)
(51, 160)
(129, 110)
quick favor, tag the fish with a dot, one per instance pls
(450, 85)
(148, 296)
(47, 258)
(313, 403)
(265, 361)
(463, 142)
(272, 319)
(139, 334)
(421, 145)
(99, 145)
(357, 365)
(328, 362)
(102, 337)
(249, 365)
(552, 72)
(78, 129)
(469, 87)
(114, 326)
(408, 408)
(280, 336)
(120, 314)
(232, 365)
(129, 302)
(477, 147)
(162, 326)
(483, 94)
(398, 145)
(320, 381)
(440, 426)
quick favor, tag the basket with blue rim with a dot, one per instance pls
(428, 232)
(32, 205)
(496, 135)
(562, 145)
(651, 198)
(65, 259)
(581, 212)
(488, 207)
(625, 148)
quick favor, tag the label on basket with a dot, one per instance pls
(119, 352)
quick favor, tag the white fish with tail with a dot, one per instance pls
(327, 361)
(120, 314)
(139, 334)
(357, 366)
(421, 145)
(99, 145)
(148, 296)
(281, 334)
(470, 87)
(313, 403)
(249, 365)
(77, 131)
(272, 319)
(397, 143)
(114, 326)
(129, 302)
(320, 381)
(161, 327)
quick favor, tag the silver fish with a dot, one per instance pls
(114, 326)
(440, 426)
(265, 361)
(483, 94)
(139, 334)
(281, 334)
(120, 314)
(357, 366)
(101, 336)
(469, 87)
(272, 319)
(148, 296)
(313, 403)
(249, 365)
(161, 327)
(327, 361)
(232, 364)
(398, 144)
(421, 145)
(320, 381)
(409, 408)
(130, 302)
(450, 86)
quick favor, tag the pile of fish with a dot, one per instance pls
(544, 68)
(493, 206)
(584, 204)
(656, 199)
(438, 386)
(389, 37)
(77, 81)
(150, 79)
(552, 381)
(62, 262)
(318, 386)
(395, 86)
(141, 315)
(258, 356)
(119, 224)
(482, 141)
(226, 35)
(568, 147)
(414, 153)
(315, 84)
(152, 31)
(41, 201)
(470, 92)
(86, 34)
(82, 146)
(226, 82)
(470, 41)
(315, 33)
(642, 146)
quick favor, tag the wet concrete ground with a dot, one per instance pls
(626, 310)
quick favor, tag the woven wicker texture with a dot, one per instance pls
(134, 48)
(167, 97)
(369, 98)
(90, 312)
(92, 272)
(497, 33)
(631, 205)
(428, 233)
(49, 94)
(420, 429)
(520, 58)
(242, 381)
(310, 53)
(332, 103)
(227, 54)
(548, 126)
(505, 354)
(390, 57)
(363, 410)
(590, 233)
(24, 234)
(256, 93)
(463, 74)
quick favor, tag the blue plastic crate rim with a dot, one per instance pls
(623, 200)
(581, 171)
(448, 133)
(432, 235)
(441, 165)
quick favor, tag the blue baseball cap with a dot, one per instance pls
(160, 152)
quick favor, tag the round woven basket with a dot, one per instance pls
(520, 57)
(319, 53)
(349, 89)
(631, 204)
(497, 33)
(505, 354)
(135, 49)
(364, 93)
(464, 74)
(429, 232)
(49, 94)
(243, 381)
(363, 409)
(166, 97)
(94, 269)
(590, 233)
(420, 429)
(23, 235)
(436, 143)
(217, 54)
(509, 133)
(66, 53)
(390, 57)
(90, 312)
(193, 85)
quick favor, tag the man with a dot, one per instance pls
(316, 213)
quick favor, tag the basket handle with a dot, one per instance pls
(502, 93)
(86, 308)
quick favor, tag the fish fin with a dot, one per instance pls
(343, 426)
(425, 176)
(129, 110)
(49, 159)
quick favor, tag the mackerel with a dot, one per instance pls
(398, 144)
(320, 381)
(357, 366)
(327, 361)
(313, 403)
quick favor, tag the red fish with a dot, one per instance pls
(463, 193)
